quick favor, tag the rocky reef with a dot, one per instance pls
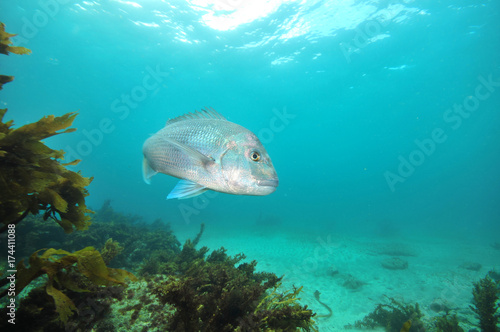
(161, 285)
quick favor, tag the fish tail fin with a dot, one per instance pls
(147, 171)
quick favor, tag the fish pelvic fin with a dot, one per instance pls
(147, 171)
(186, 189)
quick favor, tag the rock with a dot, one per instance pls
(471, 266)
(350, 282)
(333, 270)
(436, 307)
(395, 263)
(439, 305)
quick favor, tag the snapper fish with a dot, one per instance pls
(207, 152)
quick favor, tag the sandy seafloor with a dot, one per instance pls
(320, 261)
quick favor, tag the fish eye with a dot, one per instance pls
(255, 156)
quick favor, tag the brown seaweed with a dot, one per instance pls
(58, 265)
(33, 179)
(5, 48)
(485, 304)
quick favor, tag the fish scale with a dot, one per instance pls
(203, 137)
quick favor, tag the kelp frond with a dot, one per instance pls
(5, 48)
(5, 43)
(33, 179)
(59, 267)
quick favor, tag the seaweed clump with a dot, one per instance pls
(448, 323)
(110, 250)
(5, 48)
(124, 240)
(59, 266)
(393, 317)
(32, 179)
(485, 298)
(213, 294)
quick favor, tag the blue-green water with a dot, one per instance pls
(354, 101)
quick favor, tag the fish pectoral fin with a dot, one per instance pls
(147, 171)
(186, 189)
(195, 155)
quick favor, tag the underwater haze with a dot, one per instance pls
(379, 116)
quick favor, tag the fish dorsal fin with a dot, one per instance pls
(186, 189)
(206, 113)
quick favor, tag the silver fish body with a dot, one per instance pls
(207, 152)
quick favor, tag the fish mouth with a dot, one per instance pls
(268, 183)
